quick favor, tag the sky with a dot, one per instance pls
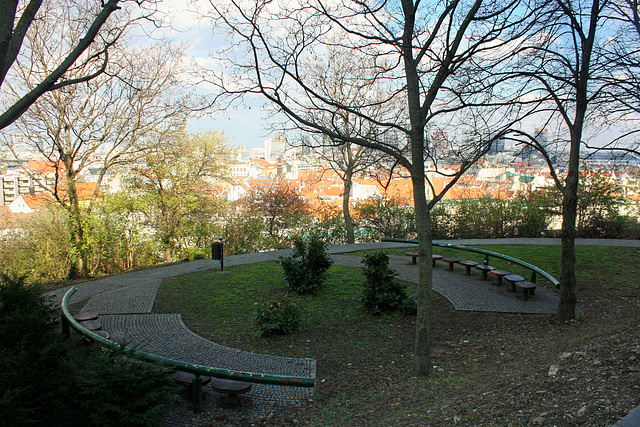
(242, 125)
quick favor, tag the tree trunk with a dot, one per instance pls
(422, 350)
(348, 221)
(167, 252)
(567, 295)
(79, 256)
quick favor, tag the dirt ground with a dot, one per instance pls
(489, 369)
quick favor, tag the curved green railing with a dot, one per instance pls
(194, 368)
(534, 270)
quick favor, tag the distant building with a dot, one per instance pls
(14, 184)
(542, 137)
(274, 149)
(240, 169)
(27, 203)
(497, 146)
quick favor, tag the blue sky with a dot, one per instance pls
(241, 124)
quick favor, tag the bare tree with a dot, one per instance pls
(341, 75)
(588, 80)
(430, 56)
(100, 123)
(629, 11)
(86, 50)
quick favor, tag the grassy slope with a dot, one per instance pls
(491, 369)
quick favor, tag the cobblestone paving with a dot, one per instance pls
(136, 298)
(469, 293)
(159, 333)
(166, 335)
(125, 302)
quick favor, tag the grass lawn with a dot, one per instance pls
(489, 369)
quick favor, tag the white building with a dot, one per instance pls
(274, 149)
(13, 184)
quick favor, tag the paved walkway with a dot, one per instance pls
(125, 302)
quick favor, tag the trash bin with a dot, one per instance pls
(217, 248)
(216, 251)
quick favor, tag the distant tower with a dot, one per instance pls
(542, 138)
(274, 149)
(497, 146)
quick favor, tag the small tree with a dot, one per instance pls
(281, 208)
(381, 292)
(97, 125)
(174, 185)
(306, 269)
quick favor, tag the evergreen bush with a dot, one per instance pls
(31, 354)
(115, 390)
(306, 269)
(381, 292)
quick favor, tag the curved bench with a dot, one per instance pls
(484, 270)
(534, 270)
(512, 279)
(499, 275)
(468, 264)
(414, 258)
(526, 287)
(68, 322)
(451, 261)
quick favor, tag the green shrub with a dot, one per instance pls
(388, 217)
(31, 352)
(195, 253)
(381, 292)
(306, 269)
(114, 390)
(410, 305)
(277, 317)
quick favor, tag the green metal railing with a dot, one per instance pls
(194, 368)
(534, 270)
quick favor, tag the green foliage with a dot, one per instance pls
(30, 355)
(195, 253)
(488, 217)
(381, 292)
(306, 269)
(38, 249)
(410, 306)
(386, 216)
(116, 240)
(440, 223)
(277, 317)
(114, 390)
(600, 203)
(173, 188)
(242, 233)
(329, 224)
(613, 227)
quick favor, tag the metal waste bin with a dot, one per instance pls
(217, 248)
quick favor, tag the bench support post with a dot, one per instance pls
(65, 327)
(533, 277)
(197, 394)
